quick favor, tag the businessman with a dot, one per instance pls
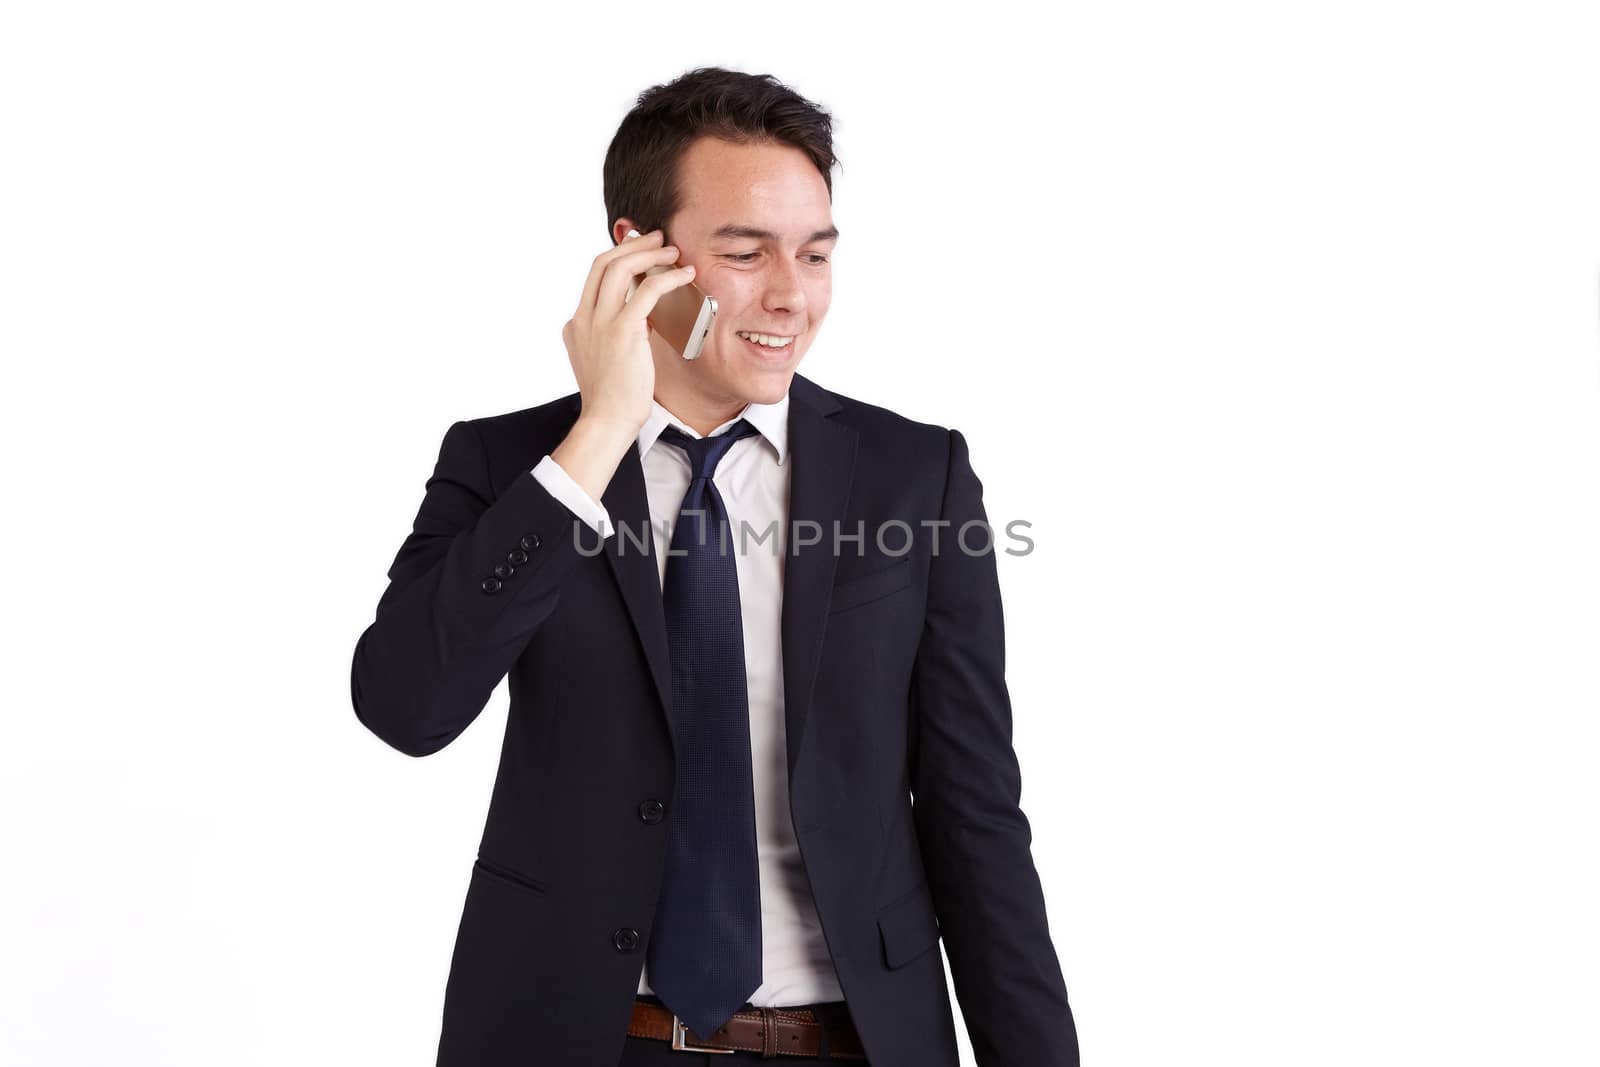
(758, 761)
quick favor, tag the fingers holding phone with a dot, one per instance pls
(683, 315)
(608, 336)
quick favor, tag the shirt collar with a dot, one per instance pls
(770, 420)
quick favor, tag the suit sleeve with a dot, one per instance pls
(967, 787)
(448, 627)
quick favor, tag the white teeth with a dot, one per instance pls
(767, 339)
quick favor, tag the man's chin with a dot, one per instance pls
(753, 384)
(769, 386)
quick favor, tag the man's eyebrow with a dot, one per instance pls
(735, 230)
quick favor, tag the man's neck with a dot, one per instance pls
(698, 413)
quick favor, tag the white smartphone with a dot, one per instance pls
(683, 317)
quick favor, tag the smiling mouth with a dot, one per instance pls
(767, 353)
(765, 341)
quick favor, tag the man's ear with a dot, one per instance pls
(620, 228)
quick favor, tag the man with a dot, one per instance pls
(747, 782)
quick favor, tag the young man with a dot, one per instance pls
(758, 759)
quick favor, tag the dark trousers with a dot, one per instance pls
(649, 1052)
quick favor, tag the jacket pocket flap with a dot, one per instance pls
(908, 926)
(510, 876)
(853, 592)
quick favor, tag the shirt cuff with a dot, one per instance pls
(560, 485)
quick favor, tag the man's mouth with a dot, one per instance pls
(769, 341)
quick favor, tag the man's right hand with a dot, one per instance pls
(608, 344)
(608, 339)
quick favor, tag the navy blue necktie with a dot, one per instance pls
(705, 946)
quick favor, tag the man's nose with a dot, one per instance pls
(784, 291)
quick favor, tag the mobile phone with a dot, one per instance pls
(683, 317)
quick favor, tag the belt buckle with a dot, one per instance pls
(681, 1044)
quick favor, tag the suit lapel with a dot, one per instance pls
(635, 568)
(822, 454)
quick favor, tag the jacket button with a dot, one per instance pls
(652, 810)
(504, 570)
(518, 556)
(626, 939)
(530, 541)
(490, 585)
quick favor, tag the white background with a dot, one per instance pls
(1278, 322)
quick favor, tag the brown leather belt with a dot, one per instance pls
(769, 1031)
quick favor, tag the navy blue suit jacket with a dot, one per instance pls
(904, 785)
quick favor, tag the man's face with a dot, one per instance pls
(779, 283)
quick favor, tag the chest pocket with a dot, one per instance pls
(865, 588)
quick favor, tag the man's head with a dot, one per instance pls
(736, 168)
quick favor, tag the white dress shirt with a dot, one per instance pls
(753, 478)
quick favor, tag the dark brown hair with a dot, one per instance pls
(641, 168)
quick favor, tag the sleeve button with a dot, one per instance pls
(504, 570)
(530, 541)
(490, 585)
(517, 556)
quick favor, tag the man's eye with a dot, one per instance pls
(816, 259)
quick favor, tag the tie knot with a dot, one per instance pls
(706, 452)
